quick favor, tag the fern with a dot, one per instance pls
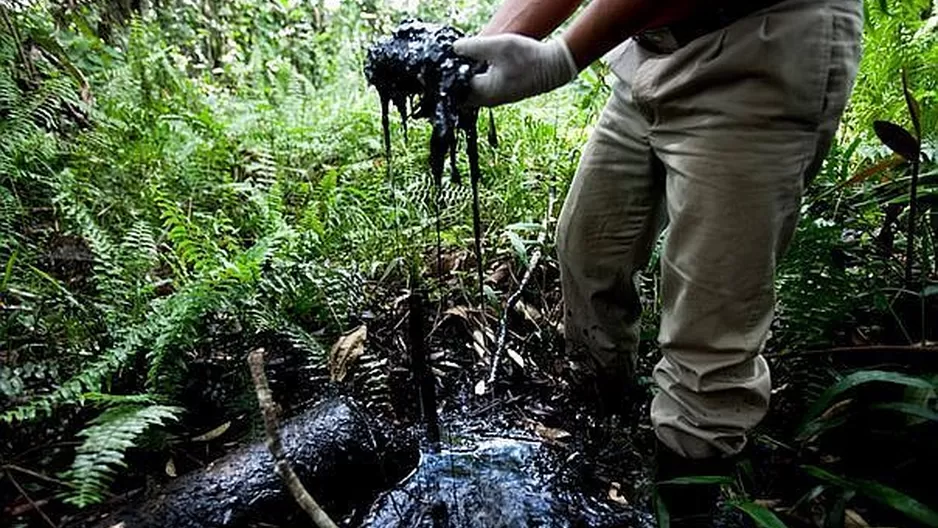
(106, 441)
(90, 377)
(9, 212)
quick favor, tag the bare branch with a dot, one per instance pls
(274, 445)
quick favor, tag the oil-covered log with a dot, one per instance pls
(341, 455)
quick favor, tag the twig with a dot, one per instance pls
(30, 500)
(886, 349)
(37, 475)
(272, 428)
(515, 297)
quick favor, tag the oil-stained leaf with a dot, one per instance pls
(915, 111)
(898, 139)
(615, 494)
(551, 433)
(346, 351)
(852, 519)
(213, 434)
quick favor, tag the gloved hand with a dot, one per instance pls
(519, 67)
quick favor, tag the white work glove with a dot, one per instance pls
(519, 67)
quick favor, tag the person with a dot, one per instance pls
(720, 114)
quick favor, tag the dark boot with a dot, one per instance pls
(692, 505)
(612, 389)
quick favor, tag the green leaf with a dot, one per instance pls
(880, 493)
(911, 409)
(854, 380)
(107, 440)
(518, 246)
(9, 270)
(760, 514)
(661, 512)
(700, 479)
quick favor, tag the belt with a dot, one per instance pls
(670, 38)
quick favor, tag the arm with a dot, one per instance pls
(605, 24)
(520, 65)
(531, 18)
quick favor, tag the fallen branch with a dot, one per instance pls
(31, 502)
(885, 349)
(272, 428)
(515, 297)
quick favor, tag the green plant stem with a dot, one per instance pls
(913, 212)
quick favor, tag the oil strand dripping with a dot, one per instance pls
(386, 128)
(438, 206)
(426, 384)
(492, 135)
(475, 175)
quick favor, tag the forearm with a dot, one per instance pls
(604, 24)
(532, 18)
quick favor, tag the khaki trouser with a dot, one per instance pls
(715, 140)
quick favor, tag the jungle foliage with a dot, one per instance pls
(179, 174)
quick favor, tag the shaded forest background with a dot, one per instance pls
(184, 180)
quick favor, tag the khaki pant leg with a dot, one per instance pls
(610, 219)
(741, 118)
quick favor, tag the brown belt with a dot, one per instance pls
(670, 38)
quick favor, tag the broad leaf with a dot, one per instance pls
(702, 479)
(760, 514)
(882, 494)
(898, 139)
(911, 409)
(856, 379)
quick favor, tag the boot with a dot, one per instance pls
(687, 505)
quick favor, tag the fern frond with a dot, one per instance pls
(90, 377)
(9, 212)
(107, 440)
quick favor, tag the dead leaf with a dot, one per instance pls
(529, 312)
(615, 494)
(551, 433)
(213, 434)
(345, 351)
(171, 468)
(498, 274)
(853, 519)
(459, 311)
(478, 344)
(516, 357)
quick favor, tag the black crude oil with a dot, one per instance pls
(416, 69)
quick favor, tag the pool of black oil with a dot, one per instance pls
(498, 481)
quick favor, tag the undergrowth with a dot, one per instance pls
(174, 175)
